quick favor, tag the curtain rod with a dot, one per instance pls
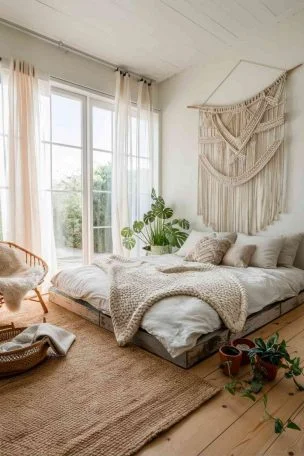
(90, 89)
(71, 49)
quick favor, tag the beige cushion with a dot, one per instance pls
(226, 235)
(239, 256)
(192, 240)
(267, 249)
(209, 251)
(289, 250)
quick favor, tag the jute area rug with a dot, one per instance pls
(100, 400)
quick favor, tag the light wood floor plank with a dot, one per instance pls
(202, 427)
(251, 430)
(289, 443)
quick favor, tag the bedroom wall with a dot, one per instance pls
(56, 62)
(180, 131)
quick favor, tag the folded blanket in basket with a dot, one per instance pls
(60, 340)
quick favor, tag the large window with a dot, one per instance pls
(77, 151)
(81, 149)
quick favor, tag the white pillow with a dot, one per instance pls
(267, 249)
(191, 242)
(291, 243)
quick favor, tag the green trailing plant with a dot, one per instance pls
(273, 352)
(156, 228)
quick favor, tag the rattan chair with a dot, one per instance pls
(31, 260)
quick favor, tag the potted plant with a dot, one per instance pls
(244, 345)
(266, 358)
(231, 358)
(158, 231)
(268, 355)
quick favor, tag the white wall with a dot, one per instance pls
(180, 132)
(56, 62)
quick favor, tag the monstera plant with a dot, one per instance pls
(158, 231)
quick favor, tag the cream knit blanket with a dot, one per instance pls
(136, 285)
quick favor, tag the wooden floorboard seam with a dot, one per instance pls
(292, 417)
(258, 400)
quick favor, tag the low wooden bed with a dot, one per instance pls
(206, 344)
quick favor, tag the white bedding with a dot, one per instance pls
(177, 322)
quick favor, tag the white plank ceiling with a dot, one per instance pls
(157, 38)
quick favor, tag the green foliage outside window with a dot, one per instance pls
(68, 211)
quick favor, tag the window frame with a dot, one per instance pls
(89, 98)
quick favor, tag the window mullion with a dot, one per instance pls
(86, 185)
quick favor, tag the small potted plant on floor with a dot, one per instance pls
(231, 358)
(158, 231)
(266, 359)
(244, 345)
(268, 356)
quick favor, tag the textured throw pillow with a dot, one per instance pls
(289, 250)
(267, 250)
(226, 235)
(191, 241)
(239, 256)
(209, 251)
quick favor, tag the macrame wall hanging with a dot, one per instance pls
(242, 165)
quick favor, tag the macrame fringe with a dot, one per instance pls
(242, 166)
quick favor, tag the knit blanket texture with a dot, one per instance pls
(135, 285)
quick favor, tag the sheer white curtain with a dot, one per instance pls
(30, 220)
(121, 152)
(132, 177)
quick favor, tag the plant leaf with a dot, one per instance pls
(184, 224)
(256, 386)
(292, 425)
(126, 232)
(149, 217)
(129, 242)
(249, 395)
(278, 426)
(162, 212)
(138, 226)
(153, 194)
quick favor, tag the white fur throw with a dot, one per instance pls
(16, 278)
(136, 285)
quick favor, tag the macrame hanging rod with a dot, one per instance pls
(234, 68)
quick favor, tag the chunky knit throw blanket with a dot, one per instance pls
(136, 285)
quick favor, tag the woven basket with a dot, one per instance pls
(17, 361)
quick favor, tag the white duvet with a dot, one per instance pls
(177, 322)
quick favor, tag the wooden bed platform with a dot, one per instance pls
(206, 344)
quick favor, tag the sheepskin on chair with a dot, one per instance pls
(16, 277)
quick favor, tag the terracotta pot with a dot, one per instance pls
(243, 341)
(231, 358)
(268, 370)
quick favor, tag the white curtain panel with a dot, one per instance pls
(30, 221)
(132, 159)
(122, 150)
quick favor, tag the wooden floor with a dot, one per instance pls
(230, 426)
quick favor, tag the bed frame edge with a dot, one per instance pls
(206, 344)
